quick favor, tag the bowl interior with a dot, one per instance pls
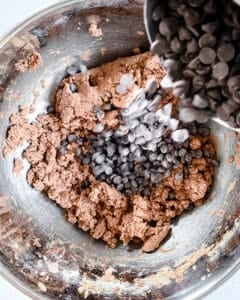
(34, 235)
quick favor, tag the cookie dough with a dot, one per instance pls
(95, 206)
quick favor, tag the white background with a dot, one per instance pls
(12, 12)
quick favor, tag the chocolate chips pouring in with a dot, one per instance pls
(199, 43)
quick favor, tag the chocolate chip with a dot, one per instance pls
(212, 84)
(179, 177)
(232, 122)
(188, 115)
(203, 69)
(220, 70)
(210, 7)
(184, 34)
(160, 46)
(233, 83)
(180, 84)
(187, 73)
(192, 46)
(72, 70)
(178, 92)
(214, 93)
(194, 31)
(210, 27)
(50, 109)
(207, 40)
(100, 159)
(73, 87)
(222, 82)
(164, 149)
(236, 95)
(168, 27)
(233, 105)
(185, 103)
(192, 128)
(215, 163)
(202, 116)
(100, 114)
(206, 153)
(228, 21)
(160, 157)
(181, 9)
(236, 18)
(199, 101)
(225, 92)
(238, 119)
(108, 170)
(191, 17)
(182, 152)
(198, 82)
(188, 158)
(165, 164)
(207, 56)
(226, 36)
(213, 103)
(187, 57)
(223, 113)
(193, 64)
(236, 34)
(151, 87)
(159, 13)
(42, 34)
(235, 70)
(169, 157)
(175, 70)
(177, 46)
(71, 138)
(195, 3)
(204, 131)
(170, 54)
(98, 128)
(180, 135)
(107, 106)
(120, 187)
(226, 52)
(229, 9)
(199, 154)
(173, 4)
(83, 68)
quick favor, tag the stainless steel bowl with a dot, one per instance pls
(41, 253)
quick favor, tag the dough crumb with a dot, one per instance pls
(17, 166)
(230, 159)
(31, 62)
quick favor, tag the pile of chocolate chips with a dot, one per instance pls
(199, 41)
(148, 143)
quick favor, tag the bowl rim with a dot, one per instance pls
(9, 276)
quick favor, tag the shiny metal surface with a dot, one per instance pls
(151, 29)
(39, 250)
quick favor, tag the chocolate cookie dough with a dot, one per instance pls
(56, 138)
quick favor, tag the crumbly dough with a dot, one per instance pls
(31, 62)
(92, 205)
(98, 86)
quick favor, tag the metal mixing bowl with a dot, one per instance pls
(39, 251)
